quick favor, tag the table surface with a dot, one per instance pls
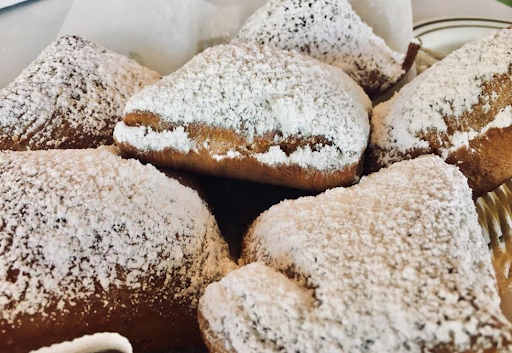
(24, 32)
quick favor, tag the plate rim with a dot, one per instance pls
(438, 23)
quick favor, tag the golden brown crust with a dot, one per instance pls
(487, 163)
(71, 138)
(246, 167)
(151, 325)
(374, 81)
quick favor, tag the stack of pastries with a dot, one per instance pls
(97, 238)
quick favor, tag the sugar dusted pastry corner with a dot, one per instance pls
(71, 96)
(460, 109)
(396, 263)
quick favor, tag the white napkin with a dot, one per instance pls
(390, 20)
(164, 34)
(160, 34)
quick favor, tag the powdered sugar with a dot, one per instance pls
(74, 90)
(446, 93)
(330, 31)
(99, 342)
(229, 154)
(327, 158)
(73, 220)
(254, 91)
(144, 138)
(396, 263)
(503, 119)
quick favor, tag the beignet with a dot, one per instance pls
(396, 263)
(90, 242)
(460, 109)
(332, 32)
(252, 113)
(71, 96)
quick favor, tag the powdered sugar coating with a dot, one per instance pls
(99, 342)
(396, 263)
(253, 91)
(327, 158)
(502, 120)
(145, 139)
(75, 224)
(330, 31)
(441, 97)
(75, 85)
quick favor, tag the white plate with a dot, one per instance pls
(442, 36)
(445, 35)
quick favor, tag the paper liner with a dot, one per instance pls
(164, 34)
(160, 34)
